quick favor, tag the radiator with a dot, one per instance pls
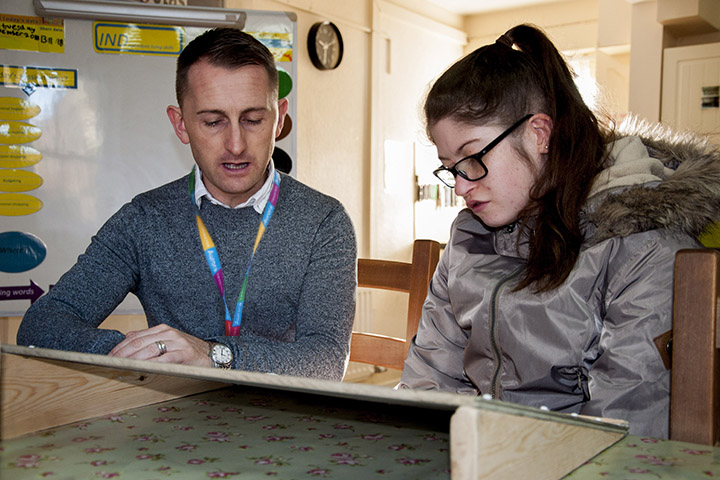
(357, 372)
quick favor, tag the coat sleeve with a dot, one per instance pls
(628, 379)
(436, 357)
(67, 317)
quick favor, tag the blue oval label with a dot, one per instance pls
(20, 252)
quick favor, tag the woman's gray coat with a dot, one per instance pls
(587, 346)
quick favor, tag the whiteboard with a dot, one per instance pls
(103, 142)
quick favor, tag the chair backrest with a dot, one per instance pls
(412, 278)
(695, 377)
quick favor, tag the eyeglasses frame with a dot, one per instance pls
(478, 156)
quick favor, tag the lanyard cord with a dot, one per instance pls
(232, 324)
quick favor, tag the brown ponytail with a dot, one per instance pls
(524, 73)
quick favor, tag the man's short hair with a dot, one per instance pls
(230, 48)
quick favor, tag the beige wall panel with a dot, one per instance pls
(571, 24)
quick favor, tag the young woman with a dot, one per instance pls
(558, 276)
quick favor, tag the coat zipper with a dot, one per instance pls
(493, 324)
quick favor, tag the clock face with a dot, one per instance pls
(325, 45)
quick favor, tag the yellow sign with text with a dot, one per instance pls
(12, 108)
(16, 204)
(38, 77)
(138, 39)
(33, 34)
(15, 180)
(18, 156)
(18, 132)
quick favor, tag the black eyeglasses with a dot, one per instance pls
(472, 168)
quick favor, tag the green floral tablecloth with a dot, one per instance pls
(253, 433)
(239, 433)
(649, 458)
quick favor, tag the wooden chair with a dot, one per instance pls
(412, 278)
(695, 378)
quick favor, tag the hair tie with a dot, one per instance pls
(505, 40)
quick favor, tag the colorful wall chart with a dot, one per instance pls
(19, 252)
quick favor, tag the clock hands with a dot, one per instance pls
(325, 47)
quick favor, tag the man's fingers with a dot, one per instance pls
(137, 341)
(143, 348)
(163, 344)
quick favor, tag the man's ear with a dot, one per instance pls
(542, 126)
(282, 111)
(176, 118)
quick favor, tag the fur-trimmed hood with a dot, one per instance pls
(674, 183)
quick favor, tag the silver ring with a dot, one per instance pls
(161, 346)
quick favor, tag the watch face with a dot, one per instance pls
(222, 354)
(325, 45)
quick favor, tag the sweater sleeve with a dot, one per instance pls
(325, 311)
(67, 317)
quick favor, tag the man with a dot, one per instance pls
(232, 229)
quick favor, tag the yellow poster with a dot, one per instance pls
(138, 39)
(37, 77)
(34, 34)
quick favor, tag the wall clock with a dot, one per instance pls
(325, 45)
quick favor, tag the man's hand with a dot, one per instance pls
(149, 344)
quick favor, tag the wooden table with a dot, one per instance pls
(70, 415)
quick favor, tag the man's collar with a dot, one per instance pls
(257, 200)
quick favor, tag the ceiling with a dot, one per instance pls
(465, 7)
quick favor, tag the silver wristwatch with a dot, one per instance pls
(221, 355)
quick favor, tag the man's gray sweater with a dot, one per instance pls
(300, 298)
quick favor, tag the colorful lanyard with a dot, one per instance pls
(232, 325)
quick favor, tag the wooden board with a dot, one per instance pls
(491, 442)
(42, 388)
(40, 393)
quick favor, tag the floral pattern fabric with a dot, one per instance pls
(242, 433)
(239, 433)
(639, 458)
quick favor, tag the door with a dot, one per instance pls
(691, 89)
(691, 84)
